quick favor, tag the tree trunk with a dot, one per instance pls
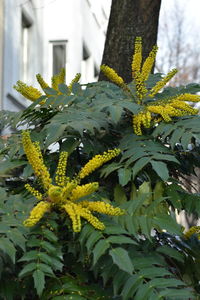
(128, 19)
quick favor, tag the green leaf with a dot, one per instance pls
(115, 112)
(7, 165)
(50, 91)
(63, 88)
(99, 249)
(121, 239)
(55, 131)
(93, 238)
(161, 169)
(39, 281)
(121, 259)
(119, 194)
(131, 286)
(46, 269)
(28, 256)
(168, 223)
(139, 165)
(27, 269)
(124, 176)
(7, 247)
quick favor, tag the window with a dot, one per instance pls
(59, 50)
(25, 42)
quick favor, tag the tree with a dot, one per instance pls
(177, 36)
(129, 19)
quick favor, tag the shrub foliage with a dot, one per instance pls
(143, 254)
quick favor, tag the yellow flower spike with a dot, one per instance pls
(84, 190)
(37, 213)
(102, 207)
(137, 57)
(35, 160)
(141, 90)
(112, 75)
(188, 97)
(41, 82)
(184, 107)
(191, 231)
(148, 64)
(137, 122)
(75, 80)
(73, 212)
(28, 92)
(63, 196)
(61, 169)
(160, 84)
(58, 79)
(55, 194)
(97, 161)
(66, 191)
(86, 214)
(34, 192)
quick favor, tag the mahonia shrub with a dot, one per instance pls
(91, 188)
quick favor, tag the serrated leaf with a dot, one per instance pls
(121, 258)
(115, 112)
(28, 269)
(121, 239)
(63, 88)
(7, 247)
(131, 286)
(168, 223)
(28, 256)
(46, 269)
(124, 176)
(119, 194)
(139, 165)
(99, 249)
(93, 238)
(161, 169)
(39, 281)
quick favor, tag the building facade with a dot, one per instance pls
(75, 35)
(42, 36)
(22, 48)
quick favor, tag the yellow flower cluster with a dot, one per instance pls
(33, 191)
(148, 64)
(160, 84)
(33, 94)
(112, 75)
(28, 92)
(97, 161)
(84, 190)
(75, 80)
(41, 82)
(37, 213)
(137, 57)
(175, 107)
(188, 97)
(60, 172)
(193, 230)
(58, 79)
(142, 118)
(102, 207)
(35, 159)
(67, 194)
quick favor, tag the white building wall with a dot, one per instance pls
(12, 57)
(79, 22)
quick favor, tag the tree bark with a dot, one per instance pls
(129, 19)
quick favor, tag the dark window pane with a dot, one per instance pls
(59, 58)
